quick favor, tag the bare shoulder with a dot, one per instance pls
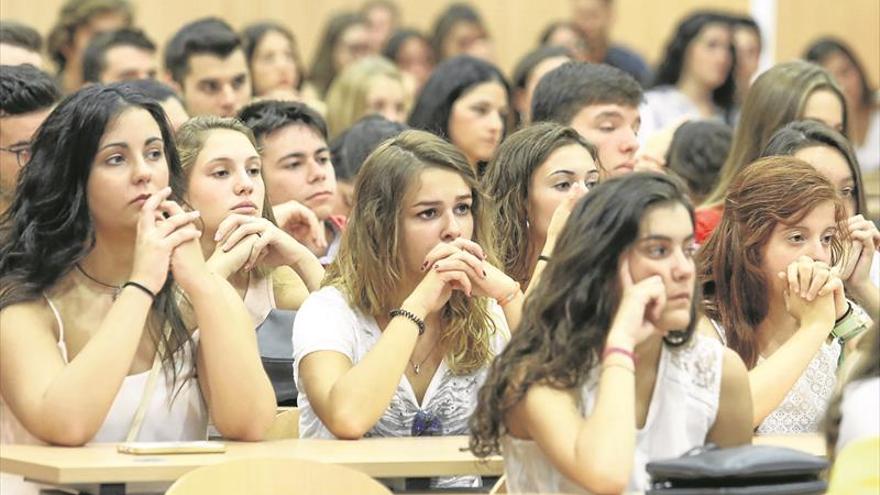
(31, 317)
(707, 329)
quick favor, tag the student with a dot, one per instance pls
(123, 55)
(224, 183)
(529, 72)
(78, 21)
(300, 180)
(605, 373)
(117, 303)
(383, 18)
(601, 103)
(747, 44)
(411, 51)
(863, 112)
(771, 295)
(459, 30)
(832, 155)
(785, 93)
(171, 104)
(345, 40)
(595, 18)
(274, 60)
(852, 412)
(20, 44)
(696, 153)
(535, 170)
(695, 79)
(370, 85)
(206, 62)
(567, 35)
(400, 337)
(467, 102)
(27, 96)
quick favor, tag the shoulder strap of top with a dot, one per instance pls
(720, 331)
(62, 346)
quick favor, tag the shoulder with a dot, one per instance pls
(31, 314)
(326, 299)
(701, 360)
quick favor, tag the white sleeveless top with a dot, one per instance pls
(259, 298)
(184, 418)
(683, 408)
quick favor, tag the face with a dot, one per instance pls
(846, 75)
(16, 55)
(613, 129)
(538, 73)
(748, 53)
(665, 247)
(175, 112)
(216, 86)
(97, 24)
(476, 122)
(387, 97)
(462, 38)
(16, 133)
(128, 63)
(274, 66)
(569, 38)
(436, 209)
(351, 46)
(552, 180)
(226, 179)
(415, 57)
(129, 166)
(380, 21)
(708, 58)
(593, 17)
(824, 106)
(296, 165)
(833, 165)
(811, 237)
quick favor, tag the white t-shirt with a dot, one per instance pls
(860, 409)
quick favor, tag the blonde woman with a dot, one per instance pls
(370, 85)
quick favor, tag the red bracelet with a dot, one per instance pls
(619, 350)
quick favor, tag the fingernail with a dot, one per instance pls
(216, 236)
(437, 267)
(484, 274)
(424, 265)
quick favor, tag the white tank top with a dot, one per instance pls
(683, 408)
(176, 414)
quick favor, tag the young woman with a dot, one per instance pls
(748, 43)
(274, 59)
(370, 85)
(102, 267)
(535, 170)
(568, 35)
(785, 93)
(411, 51)
(861, 99)
(695, 78)
(398, 340)
(770, 292)
(604, 374)
(467, 102)
(460, 30)
(345, 40)
(223, 170)
(832, 155)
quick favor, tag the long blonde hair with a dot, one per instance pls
(368, 267)
(347, 96)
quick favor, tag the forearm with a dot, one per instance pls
(868, 297)
(309, 269)
(239, 394)
(513, 310)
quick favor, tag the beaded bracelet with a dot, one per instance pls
(420, 323)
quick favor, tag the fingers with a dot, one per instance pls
(151, 205)
(258, 252)
(457, 280)
(243, 230)
(469, 246)
(831, 284)
(229, 224)
(183, 235)
(464, 261)
(315, 228)
(447, 249)
(175, 222)
(821, 274)
(805, 274)
(626, 280)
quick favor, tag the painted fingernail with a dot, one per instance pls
(424, 265)
(437, 267)
(484, 274)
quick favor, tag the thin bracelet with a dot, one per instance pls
(510, 297)
(409, 316)
(619, 350)
(139, 286)
(544, 258)
(618, 365)
(846, 314)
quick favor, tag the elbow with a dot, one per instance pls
(348, 426)
(69, 434)
(606, 478)
(246, 427)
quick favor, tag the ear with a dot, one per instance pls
(167, 79)
(519, 101)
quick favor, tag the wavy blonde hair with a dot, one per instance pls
(369, 266)
(347, 96)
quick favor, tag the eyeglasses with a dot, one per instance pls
(22, 153)
(426, 424)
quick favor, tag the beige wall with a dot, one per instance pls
(644, 25)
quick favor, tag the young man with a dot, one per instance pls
(601, 103)
(20, 44)
(206, 62)
(27, 96)
(167, 98)
(123, 55)
(595, 18)
(300, 180)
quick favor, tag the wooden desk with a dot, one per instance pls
(811, 443)
(377, 457)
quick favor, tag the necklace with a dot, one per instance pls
(113, 288)
(418, 367)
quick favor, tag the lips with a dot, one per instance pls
(142, 197)
(318, 196)
(248, 206)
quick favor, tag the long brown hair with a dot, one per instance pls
(776, 98)
(771, 191)
(506, 182)
(368, 267)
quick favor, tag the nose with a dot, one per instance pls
(452, 229)
(683, 266)
(317, 172)
(818, 251)
(629, 143)
(142, 172)
(227, 99)
(244, 184)
(496, 123)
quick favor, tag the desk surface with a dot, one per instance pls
(377, 457)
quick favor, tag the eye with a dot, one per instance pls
(210, 87)
(591, 182)
(847, 192)
(462, 209)
(154, 154)
(254, 171)
(657, 250)
(690, 250)
(220, 173)
(607, 128)
(480, 109)
(324, 160)
(115, 160)
(828, 238)
(291, 165)
(428, 214)
(238, 82)
(562, 186)
(796, 237)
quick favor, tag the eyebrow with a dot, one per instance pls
(657, 237)
(303, 154)
(228, 159)
(609, 114)
(438, 203)
(121, 144)
(561, 172)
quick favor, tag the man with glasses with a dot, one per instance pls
(27, 95)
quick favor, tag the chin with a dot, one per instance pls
(672, 320)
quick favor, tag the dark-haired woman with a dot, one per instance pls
(113, 328)
(695, 78)
(604, 373)
(467, 102)
(345, 40)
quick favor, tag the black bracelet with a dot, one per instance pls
(409, 316)
(544, 258)
(848, 312)
(141, 287)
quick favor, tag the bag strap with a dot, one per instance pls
(138, 421)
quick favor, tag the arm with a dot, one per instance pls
(865, 245)
(733, 424)
(290, 290)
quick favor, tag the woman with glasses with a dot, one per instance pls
(412, 311)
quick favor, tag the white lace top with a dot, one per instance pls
(683, 408)
(326, 322)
